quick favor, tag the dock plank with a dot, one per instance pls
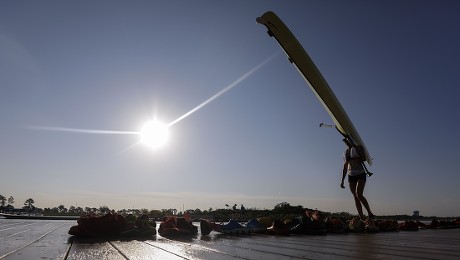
(94, 250)
(192, 249)
(143, 250)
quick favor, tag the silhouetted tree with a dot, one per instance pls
(167, 212)
(282, 206)
(104, 209)
(62, 209)
(2, 201)
(156, 214)
(10, 200)
(29, 203)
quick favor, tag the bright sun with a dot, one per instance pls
(154, 134)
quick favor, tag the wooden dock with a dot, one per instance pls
(48, 239)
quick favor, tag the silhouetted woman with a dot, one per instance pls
(356, 177)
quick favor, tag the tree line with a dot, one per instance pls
(7, 203)
(281, 210)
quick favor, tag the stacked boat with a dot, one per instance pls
(114, 225)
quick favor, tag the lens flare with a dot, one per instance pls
(154, 134)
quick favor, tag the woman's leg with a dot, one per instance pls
(353, 189)
(359, 194)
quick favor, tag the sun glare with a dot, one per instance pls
(154, 134)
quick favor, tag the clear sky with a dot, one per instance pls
(114, 65)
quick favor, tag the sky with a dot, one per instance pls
(246, 124)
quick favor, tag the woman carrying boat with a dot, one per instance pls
(356, 178)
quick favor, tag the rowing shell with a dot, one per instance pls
(304, 64)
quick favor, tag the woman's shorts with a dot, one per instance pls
(356, 178)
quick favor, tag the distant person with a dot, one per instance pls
(353, 167)
(235, 211)
(243, 209)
